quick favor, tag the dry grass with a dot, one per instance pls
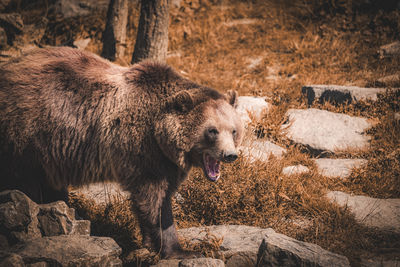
(295, 43)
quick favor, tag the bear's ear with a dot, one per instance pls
(181, 101)
(232, 97)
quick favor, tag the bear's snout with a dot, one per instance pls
(230, 156)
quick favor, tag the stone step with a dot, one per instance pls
(280, 250)
(241, 244)
(296, 169)
(383, 214)
(239, 22)
(339, 94)
(338, 168)
(321, 130)
(49, 235)
(255, 106)
(258, 149)
(66, 250)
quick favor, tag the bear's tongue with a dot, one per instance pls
(211, 167)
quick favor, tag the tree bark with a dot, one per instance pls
(152, 37)
(114, 36)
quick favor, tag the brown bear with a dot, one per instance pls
(69, 117)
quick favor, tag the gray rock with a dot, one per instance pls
(297, 169)
(338, 167)
(241, 244)
(322, 130)
(261, 150)
(58, 219)
(280, 250)
(339, 94)
(80, 227)
(238, 22)
(55, 219)
(18, 216)
(383, 214)
(209, 262)
(49, 235)
(75, 250)
(256, 106)
(389, 50)
(23, 219)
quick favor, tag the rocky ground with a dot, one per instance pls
(318, 85)
(49, 235)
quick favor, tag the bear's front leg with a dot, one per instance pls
(157, 224)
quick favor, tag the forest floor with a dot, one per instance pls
(272, 49)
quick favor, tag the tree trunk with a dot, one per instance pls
(114, 36)
(152, 37)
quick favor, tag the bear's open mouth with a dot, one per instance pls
(211, 167)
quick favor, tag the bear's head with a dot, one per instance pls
(200, 128)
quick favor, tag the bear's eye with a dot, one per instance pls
(213, 131)
(234, 132)
(211, 134)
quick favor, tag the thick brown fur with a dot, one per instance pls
(69, 117)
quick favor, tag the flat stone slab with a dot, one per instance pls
(76, 250)
(322, 130)
(339, 94)
(296, 169)
(383, 214)
(256, 106)
(280, 250)
(238, 22)
(102, 193)
(340, 168)
(261, 150)
(241, 244)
